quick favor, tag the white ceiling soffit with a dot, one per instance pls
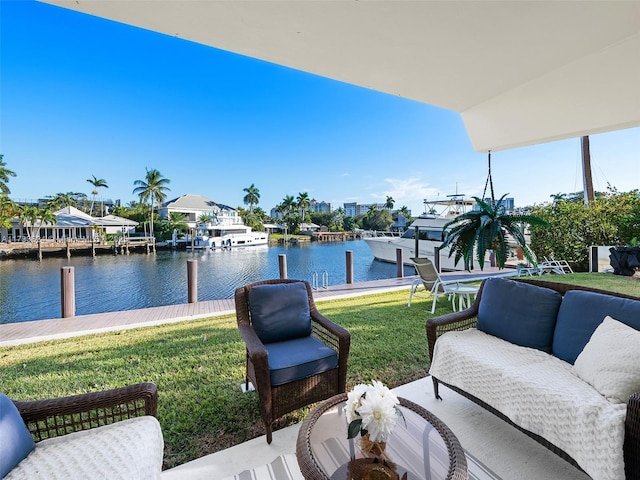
(519, 72)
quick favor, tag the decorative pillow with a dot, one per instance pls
(609, 361)
(15, 440)
(280, 311)
(580, 314)
(519, 312)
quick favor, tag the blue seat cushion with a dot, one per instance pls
(299, 358)
(581, 313)
(15, 440)
(518, 312)
(280, 311)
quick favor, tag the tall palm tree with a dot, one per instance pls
(252, 197)
(152, 190)
(97, 183)
(389, 203)
(304, 202)
(5, 173)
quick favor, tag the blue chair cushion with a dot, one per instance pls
(518, 312)
(581, 313)
(280, 311)
(15, 440)
(299, 358)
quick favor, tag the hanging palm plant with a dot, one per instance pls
(486, 229)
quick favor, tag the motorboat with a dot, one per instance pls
(225, 237)
(430, 232)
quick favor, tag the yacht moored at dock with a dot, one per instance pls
(430, 229)
(225, 236)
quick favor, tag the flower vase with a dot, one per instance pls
(372, 448)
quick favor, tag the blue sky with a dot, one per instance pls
(83, 96)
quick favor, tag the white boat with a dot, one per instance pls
(225, 236)
(430, 235)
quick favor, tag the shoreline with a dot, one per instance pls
(40, 250)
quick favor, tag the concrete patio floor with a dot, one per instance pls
(510, 454)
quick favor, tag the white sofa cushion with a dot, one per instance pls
(538, 392)
(609, 360)
(127, 450)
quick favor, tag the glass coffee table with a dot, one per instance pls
(422, 448)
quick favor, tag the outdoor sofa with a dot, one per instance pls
(112, 434)
(557, 361)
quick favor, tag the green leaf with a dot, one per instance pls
(354, 428)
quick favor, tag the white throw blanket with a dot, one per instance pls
(126, 450)
(538, 392)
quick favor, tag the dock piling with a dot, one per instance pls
(399, 263)
(192, 281)
(349, 266)
(282, 266)
(67, 292)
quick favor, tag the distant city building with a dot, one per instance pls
(194, 207)
(354, 209)
(508, 204)
(320, 207)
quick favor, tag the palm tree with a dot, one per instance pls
(34, 218)
(177, 221)
(60, 200)
(8, 210)
(97, 183)
(389, 203)
(373, 208)
(252, 197)
(152, 190)
(5, 173)
(204, 219)
(404, 211)
(304, 202)
(287, 205)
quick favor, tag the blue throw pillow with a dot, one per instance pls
(518, 312)
(581, 313)
(280, 311)
(15, 440)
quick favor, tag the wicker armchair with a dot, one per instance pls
(59, 416)
(109, 434)
(275, 399)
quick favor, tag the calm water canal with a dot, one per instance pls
(30, 289)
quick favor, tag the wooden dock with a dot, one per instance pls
(54, 328)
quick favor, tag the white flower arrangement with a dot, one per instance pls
(372, 409)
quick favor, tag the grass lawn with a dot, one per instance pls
(198, 365)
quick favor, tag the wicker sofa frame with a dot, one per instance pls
(58, 416)
(282, 399)
(467, 319)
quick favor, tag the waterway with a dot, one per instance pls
(30, 289)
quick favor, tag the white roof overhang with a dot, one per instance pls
(519, 72)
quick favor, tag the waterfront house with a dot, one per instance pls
(196, 207)
(71, 225)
